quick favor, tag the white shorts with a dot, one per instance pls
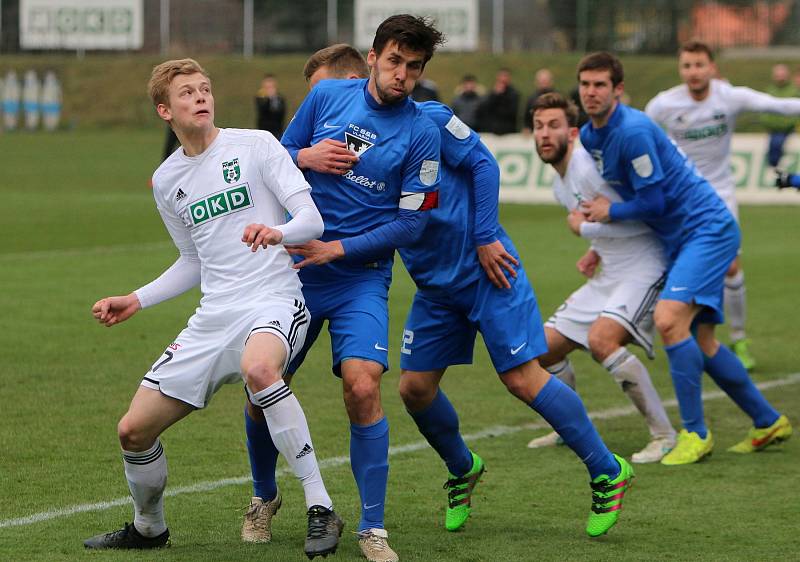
(208, 352)
(630, 303)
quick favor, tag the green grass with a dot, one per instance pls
(102, 91)
(78, 223)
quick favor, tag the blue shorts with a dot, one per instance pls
(698, 273)
(441, 326)
(358, 321)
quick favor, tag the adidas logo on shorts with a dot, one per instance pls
(308, 449)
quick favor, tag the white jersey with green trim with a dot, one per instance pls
(704, 129)
(625, 247)
(206, 201)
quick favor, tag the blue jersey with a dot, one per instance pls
(638, 160)
(398, 150)
(445, 257)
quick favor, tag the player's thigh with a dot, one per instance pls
(359, 326)
(627, 314)
(698, 273)
(263, 360)
(437, 334)
(150, 413)
(510, 322)
(201, 359)
(574, 317)
(558, 346)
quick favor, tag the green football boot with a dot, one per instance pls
(459, 497)
(607, 495)
(739, 348)
(759, 438)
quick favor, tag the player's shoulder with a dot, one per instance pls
(444, 118)
(253, 138)
(669, 97)
(168, 169)
(635, 122)
(337, 87)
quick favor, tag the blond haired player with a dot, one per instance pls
(222, 197)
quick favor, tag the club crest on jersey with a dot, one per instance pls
(357, 144)
(230, 171)
(219, 204)
(643, 165)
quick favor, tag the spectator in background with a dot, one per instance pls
(466, 105)
(499, 111)
(779, 126)
(425, 90)
(543, 80)
(270, 107)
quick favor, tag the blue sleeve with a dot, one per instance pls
(457, 138)
(648, 203)
(486, 187)
(640, 164)
(300, 132)
(381, 242)
(421, 166)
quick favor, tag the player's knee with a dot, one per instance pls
(133, 438)
(667, 324)
(361, 391)
(519, 385)
(600, 345)
(260, 374)
(416, 394)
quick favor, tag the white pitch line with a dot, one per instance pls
(493, 431)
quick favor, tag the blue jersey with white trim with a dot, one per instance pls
(398, 150)
(633, 154)
(445, 257)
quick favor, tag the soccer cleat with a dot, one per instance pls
(759, 438)
(324, 529)
(782, 179)
(550, 440)
(607, 495)
(375, 546)
(739, 348)
(127, 538)
(459, 498)
(654, 451)
(257, 524)
(689, 449)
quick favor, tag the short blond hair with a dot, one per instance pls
(164, 73)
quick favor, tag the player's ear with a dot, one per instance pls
(372, 58)
(163, 111)
(573, 133)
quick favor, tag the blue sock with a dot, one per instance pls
(263, 458)
(731, 376)
(686, 368)
(369, 460)
(439, 424)
(562, 408)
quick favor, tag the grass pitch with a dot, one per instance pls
(78, 223)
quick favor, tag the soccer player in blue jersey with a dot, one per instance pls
(372, 206)
(660, 187)
(468, 275)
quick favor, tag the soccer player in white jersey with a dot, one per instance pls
(222, 197)
(700, 116)
(615, 307)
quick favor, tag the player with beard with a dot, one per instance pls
(615, 307)
(700, 116)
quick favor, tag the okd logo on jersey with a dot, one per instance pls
(219, 204)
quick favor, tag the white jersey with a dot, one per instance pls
(703, 129)
(626, 247)
(206, 201)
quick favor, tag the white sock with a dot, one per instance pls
(632, 376)
(735, 307)
(146, 472)
(563, 370)
(289, 430)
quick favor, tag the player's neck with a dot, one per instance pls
(196, 141)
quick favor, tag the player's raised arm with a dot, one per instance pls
(747, 99)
